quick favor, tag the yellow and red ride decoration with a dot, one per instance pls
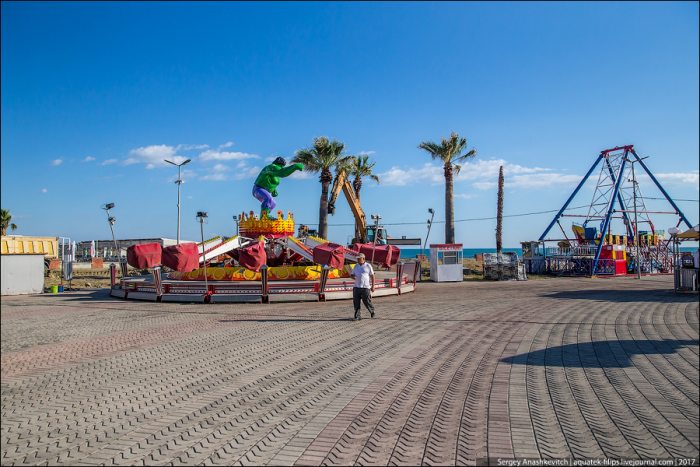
(282, 273)
(251, 226)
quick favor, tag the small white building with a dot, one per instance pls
(446, 262)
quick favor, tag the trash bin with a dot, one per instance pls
(53, 289)
(60, 289)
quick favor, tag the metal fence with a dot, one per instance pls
(569, 266)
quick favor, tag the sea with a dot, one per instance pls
(410, 253)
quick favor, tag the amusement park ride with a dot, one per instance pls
(264, 263)
(594, 249)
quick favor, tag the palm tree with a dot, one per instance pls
(322, 156)
(5, 219)
(450, 153)
(499, 216)
(360, 167)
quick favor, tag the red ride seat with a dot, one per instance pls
(253, 256)
(183, 257)
(388, 255)
(331, 254)
(146, 255)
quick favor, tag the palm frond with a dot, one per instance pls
(435, 150)
(449, 150)
(322, 154)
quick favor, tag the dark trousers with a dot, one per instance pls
(364, 295)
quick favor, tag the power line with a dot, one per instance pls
(469, 220)
(510, 215)
(664, 199)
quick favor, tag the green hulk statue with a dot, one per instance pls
(265, 186)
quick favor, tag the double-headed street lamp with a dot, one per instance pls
(179, 182)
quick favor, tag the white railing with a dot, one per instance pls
(576, 251)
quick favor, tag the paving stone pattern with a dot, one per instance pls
(451, 374)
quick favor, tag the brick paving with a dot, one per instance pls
(455, 373)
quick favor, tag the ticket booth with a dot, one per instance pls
(446, 262)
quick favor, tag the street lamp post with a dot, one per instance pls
(179, 182)
(200, 217)
(122, 263)
(376, 218)
(430, 224)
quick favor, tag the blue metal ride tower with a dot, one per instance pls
(616, 186)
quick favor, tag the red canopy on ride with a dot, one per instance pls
(388, 255)
(146, 255)
(182, 257)
(253, 256)
(331, 254)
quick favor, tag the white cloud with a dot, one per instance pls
(187, 147)
(225, 156)
(215, 177)
(88, 159)
(189, 197)
(365, 153)
(541, 180)
(226, 145)
(241, 164)
(109, 161)
(250, 172)
(154, 156)
(44, 190)
(678, 177)
(300, 175)
(462, 195)
(270, 159)
(220, 168)
(428, 173)
(56, 162)
(482, 173)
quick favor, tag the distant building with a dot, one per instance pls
(105, 248)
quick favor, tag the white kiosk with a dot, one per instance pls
(446, 262)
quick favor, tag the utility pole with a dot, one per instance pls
(636, 224)
(179, 181)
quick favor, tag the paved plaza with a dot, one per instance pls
(452, 374)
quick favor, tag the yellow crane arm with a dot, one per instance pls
(340, 179)
(360, 218)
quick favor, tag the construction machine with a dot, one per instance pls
(363, 232)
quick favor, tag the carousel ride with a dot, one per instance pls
(266, 262)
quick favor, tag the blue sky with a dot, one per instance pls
(96, 95)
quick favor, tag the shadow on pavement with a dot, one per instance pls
(623, 295)
(76, 295)
(599, 354)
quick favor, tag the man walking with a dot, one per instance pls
(364, 286)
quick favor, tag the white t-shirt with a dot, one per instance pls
(362, 273)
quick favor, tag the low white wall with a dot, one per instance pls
(21, 274)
